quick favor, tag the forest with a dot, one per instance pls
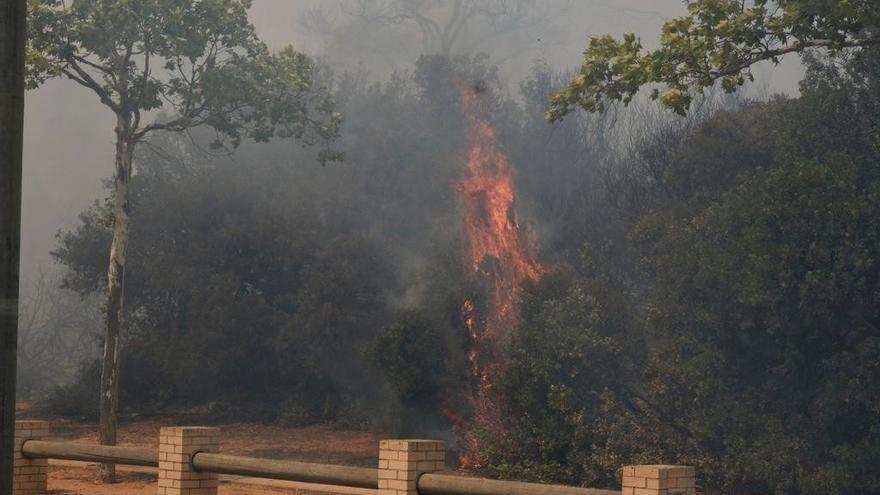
(700, 277)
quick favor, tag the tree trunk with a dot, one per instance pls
(115, 280)
(12, 29)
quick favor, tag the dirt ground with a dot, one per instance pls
(312, 443)
(80, 481)
(66, 480)
(324, 444)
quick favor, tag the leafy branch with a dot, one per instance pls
(719, 41)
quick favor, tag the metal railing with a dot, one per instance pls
(348, 476)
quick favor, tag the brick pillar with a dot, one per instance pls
(659, 480)
(176, 448)
(29, 475)
(401, 462)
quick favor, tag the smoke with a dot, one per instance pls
(68, 133)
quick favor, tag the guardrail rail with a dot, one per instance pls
(188, 463)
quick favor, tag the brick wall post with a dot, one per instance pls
(29, 475)
(401, 462)
(176, 448)
(659, 480)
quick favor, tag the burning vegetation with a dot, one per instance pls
(499, 259)
(711, 298)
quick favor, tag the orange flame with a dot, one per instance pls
(500, 259)
(498, 251)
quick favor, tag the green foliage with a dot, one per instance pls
(569, 359)
(293, 270)
(292, 295)
(723, 313)
(717, 41)
(77, 399)
(410, 353)
(755, 299)
(780, 280)
(199, 60)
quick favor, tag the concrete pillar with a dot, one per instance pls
(401, 462)
(176, 448)
(29, 476)
(659, 480)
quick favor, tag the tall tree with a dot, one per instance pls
(12, 29)
(199, 60)
(718, 40)
(444, 25)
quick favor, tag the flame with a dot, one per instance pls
(500, 260)
(499, 253)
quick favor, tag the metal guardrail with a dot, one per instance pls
(350, 476)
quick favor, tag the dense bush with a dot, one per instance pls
(261, 280)
(756, 302)
(712, 299)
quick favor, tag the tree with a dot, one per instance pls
(199, 60)
(306, 264)
(56, 332)
(752, 300)
(12, 30)
(443, 26)
(574, 354)
(385, 32)
(718, 40)
(291, 290)
(769, 286)
(411, 353)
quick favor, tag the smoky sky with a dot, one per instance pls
(68, 147)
